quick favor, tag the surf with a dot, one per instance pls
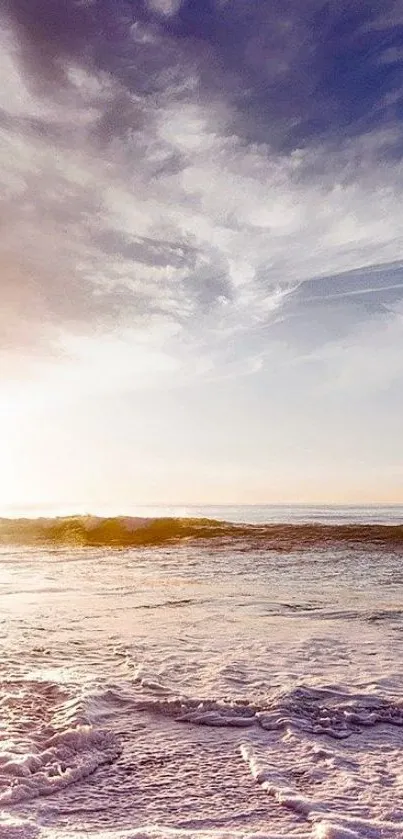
(124, 531)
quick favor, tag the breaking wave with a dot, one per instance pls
(92, 531)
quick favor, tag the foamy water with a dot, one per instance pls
(202, 690)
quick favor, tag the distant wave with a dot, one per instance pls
(92, 531)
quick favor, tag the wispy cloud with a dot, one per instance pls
(212, 173)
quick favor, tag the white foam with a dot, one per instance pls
(326, 830)
(337, 714)
(350, 795)
(327, 760)
(11, 828)
(66, 758)
(51, 742)
(162, 832)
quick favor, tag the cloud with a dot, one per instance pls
(326, 310)
(302, 71)
(210, 172)
(362, 362)
(167, 8)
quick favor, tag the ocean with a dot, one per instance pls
(187, 679)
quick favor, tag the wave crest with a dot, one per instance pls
(92, 531)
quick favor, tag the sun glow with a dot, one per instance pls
(9, 477)
(20, 472)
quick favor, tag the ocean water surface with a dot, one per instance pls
(209, 683)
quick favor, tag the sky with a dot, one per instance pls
(201, 252)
